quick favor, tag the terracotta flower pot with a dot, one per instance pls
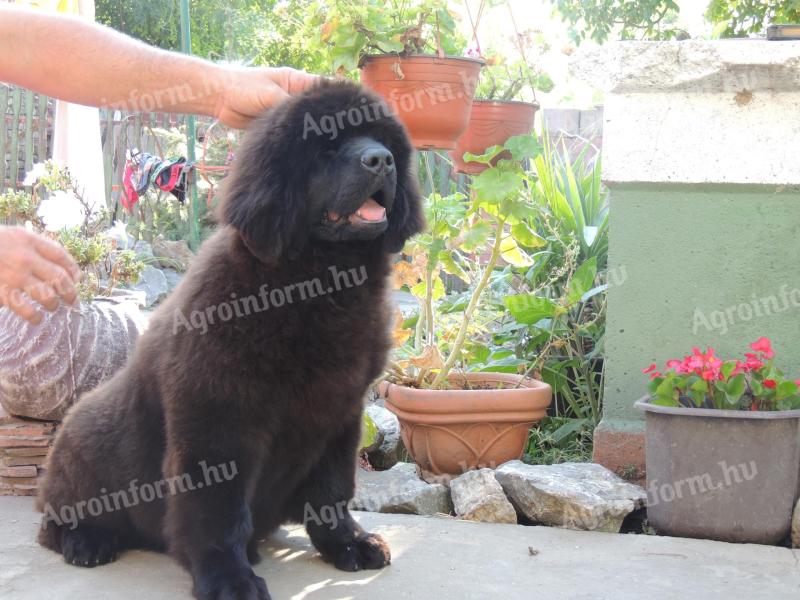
(432, 96)
(491, 123)
(448, 432)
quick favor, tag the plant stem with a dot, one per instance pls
(458, 344)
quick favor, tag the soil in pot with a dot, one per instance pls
(483, 421)
(432, 96)
(491, 123)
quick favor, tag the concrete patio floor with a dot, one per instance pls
(432, 558)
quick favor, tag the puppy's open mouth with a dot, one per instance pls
(368, 213)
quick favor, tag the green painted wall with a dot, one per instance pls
(685, 261)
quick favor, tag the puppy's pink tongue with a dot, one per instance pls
(371, 211)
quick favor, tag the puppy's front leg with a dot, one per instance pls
(209, 525)
(321, 505)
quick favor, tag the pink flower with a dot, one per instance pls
(654, 374)
(752, 363)
(649, 369)
(763, 345)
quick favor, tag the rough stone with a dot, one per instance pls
(383, 453)
(573, 495)
(173, 278)
(143, 248)
(399, 490)
(796, 526)
(477, 496)
(154, 284)
(690, 66)
(172, 254)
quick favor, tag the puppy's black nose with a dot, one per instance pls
(377, 160)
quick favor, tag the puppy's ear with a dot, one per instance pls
(405, 218)
(262, 198)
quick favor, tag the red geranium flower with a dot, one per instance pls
(652, 367)
(763, 345)
(770, 383)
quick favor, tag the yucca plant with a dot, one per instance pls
(575, 196)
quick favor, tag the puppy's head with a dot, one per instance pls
(331, 164)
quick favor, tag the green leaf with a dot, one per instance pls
(736, 387)
(421, 290)
(785, 389)
(512, 253)
(451, 267)
(495, 185)
(369, 431)
(529, 309)
(486, 158)
(567, 429)
(666, 388)
(653, 385)
(523, 146)
(582, 280)
(526, 236)
(594, 292)
(664, 401)
(727, 368)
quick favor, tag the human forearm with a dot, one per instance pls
(81, 62)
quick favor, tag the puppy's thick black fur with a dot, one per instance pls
(272, 400)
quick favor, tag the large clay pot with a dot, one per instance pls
(728, 475)
(44, 368)
(491, 123)
(448, 432)
(432, 96)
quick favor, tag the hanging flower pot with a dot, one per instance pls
(482, 421)
(431, 95)
(491, 123)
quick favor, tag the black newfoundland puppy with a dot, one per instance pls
(240, 408)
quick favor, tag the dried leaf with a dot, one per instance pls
(430, 358)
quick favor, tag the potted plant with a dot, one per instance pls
(454, 418)
(409, 53)
(45, 367)
(505, 105)
(723, 446)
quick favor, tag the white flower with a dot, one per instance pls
(32, 176)
(119, 234)
(61, 210)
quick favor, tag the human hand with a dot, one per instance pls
(40, 267)
(248, 91)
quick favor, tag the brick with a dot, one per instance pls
(27, 429)
(21, 461)
(16, 481)
(621, 452)
(25, 451)
(24, 471)
(29, 441)
(24, 490)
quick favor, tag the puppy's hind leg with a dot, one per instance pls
(321, 505)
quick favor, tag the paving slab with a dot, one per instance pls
(432, 558)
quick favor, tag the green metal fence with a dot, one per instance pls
(25, 135)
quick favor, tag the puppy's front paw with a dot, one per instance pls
(247, 586)
(367, 551)
(88, 546)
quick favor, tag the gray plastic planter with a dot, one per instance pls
(722, 474)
